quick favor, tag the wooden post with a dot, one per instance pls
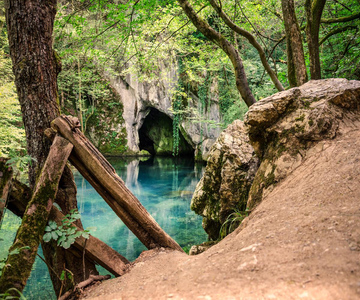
(18, 265)
(97, 170)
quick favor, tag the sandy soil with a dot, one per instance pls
(301, 242)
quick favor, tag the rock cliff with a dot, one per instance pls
(144, 102)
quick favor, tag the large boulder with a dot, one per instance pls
(281, 129)
(225, 185)
(283, 126)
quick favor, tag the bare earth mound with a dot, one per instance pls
(301, 242)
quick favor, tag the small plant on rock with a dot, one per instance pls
(232, 222)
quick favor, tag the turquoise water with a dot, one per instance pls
(163, 185)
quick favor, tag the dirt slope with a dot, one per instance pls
(301, 242)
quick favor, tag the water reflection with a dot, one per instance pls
(163, 185)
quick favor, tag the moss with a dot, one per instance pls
(198, 155)
(270, 178)
(300, 118)
(28, 237)
(144, 153)
(22, 64)
(299, 128)
(57, 61)
(280, 149)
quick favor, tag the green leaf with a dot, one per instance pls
(61, 240)
(57, 206)
(52, 224)
(62, 275)
(66, 245)
(77, 234)
(71, 230)
(54, 235)
(47, 237)
(47, 228)
(85, 235)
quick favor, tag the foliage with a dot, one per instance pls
(66, 233)
(20, 164)
(9, 294)
(12, 133)
(232, 222)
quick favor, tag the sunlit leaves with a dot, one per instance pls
(12, 133)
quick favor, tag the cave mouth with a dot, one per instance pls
(156, 135)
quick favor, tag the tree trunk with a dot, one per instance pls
(314, 9)
(240, 76)
(5, 183)
(251, 39)
(18, 265)
(36, 65)
(295, 53)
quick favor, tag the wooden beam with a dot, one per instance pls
(97, 170)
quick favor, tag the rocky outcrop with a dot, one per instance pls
(283, 126)
(105, 127)
(139, 99)
(281, 129)
(228, 176)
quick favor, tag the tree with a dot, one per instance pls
(314, 10)
(295, 53)
(252, 40)
(36, 66)
(241, 80)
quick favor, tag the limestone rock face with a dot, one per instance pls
(139, 99)
(224, 187)
(283, 126)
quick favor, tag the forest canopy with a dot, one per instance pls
(98, 39)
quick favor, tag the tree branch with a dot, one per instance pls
(214, 36)
(335, 31)
(251, 39)
(342, 19)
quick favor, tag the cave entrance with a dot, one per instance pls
(156, 135)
